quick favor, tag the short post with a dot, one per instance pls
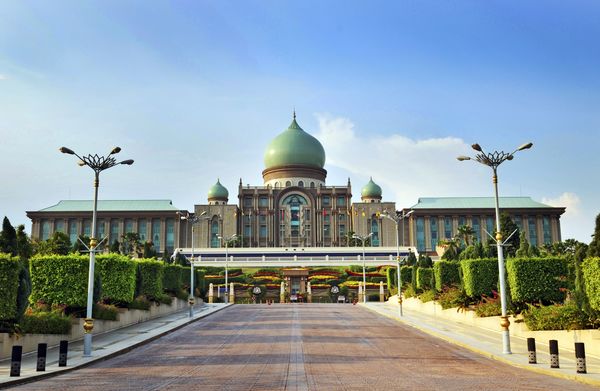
(62, 353)
(531, 350)
(282, 293)
(360, 292)
(231, 293)
(554, 354)
(41, 357)
(580, 357)
(210, 293)
(15, 361)
(308, 292)
(381, 292)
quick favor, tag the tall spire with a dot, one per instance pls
(294, 112)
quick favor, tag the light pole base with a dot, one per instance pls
(87, 345)
(506, 342)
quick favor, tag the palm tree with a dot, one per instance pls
(465, 233)
(451, 249)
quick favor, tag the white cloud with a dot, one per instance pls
(409, 168)
(575, 222)
(568, 200)
(2, 77)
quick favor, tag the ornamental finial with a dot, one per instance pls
(294, 113)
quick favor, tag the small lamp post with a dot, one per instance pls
(363, 239)
(97, 164)
(399, 216)
(493, 160)
(227, 240)
(193, 219)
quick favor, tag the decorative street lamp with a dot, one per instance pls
(493, 160)
(193, 219)
(399, 216)
(227, 240)
(98, 164)
(363, 239)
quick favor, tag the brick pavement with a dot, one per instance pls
(300, 347)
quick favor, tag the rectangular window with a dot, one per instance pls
(59, 225)
(45, 229)
(342, 217)
(489, 225)
(341, 201)
(142, 229)
(547, 229)
(170, 239)
(247, 231)
(327, 219)
(156, 234)
(263, 202)
(476, 223)
(462, 220)
(73, 231)
(519, 222)
(306, 215)
(326, 200)
(531, 222)
(433, 226)
(263, 231)
(327, 230)
(448, 227)
(114, 231)
(248, 202)
(342, 229)
(128, 225)
(420, 234)
(262, 219)
(101, 230)
(87, 227)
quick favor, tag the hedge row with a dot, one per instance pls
(446, 274)
(60, 279)
(406, 275)
(117, 276)
(9, 286)
(424, 278)
(480, 276)
(537, 279)
(172, 278)
(591, 275)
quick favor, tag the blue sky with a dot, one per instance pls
(195, 90)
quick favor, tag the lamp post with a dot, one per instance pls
(97, 164)
(493, 160)
(399, 216)
(363, 239)
(227, 240)
(193, 219)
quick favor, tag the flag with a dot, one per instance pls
(324, 212)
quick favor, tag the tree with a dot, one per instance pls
(131, 245)
(523, 250)
(58, 243)
(24, 247)
(114, 247)
(8, 238)
(465, 233)
(507, 227)
(148, 251)
(424, 261)
(411, 260)
(451, 249)
(594, 247)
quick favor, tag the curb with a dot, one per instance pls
(543, 371)
(93, 360)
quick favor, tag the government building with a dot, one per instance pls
(294, 207)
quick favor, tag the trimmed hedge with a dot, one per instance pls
(537, 279)
(200, 282)
(406, 275)
(424, 278)
(391, 276)
(172, 278)
(9, 286)
(480, 276)
(591, 275)
(117, 276)
(59, 279)
(150, 278)
(45, 323)
(446, 274)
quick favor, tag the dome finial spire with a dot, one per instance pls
(294, 112)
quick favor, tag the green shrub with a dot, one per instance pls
(172, 281)
(186, 273)
(165, 299)
(424, 278)
(200, 282)
(480, 276)
(537, 279)
(105, 312)
(555, 317)
(453, 297)
(182, 294)
(428, 295)
(140, 303)
(377, 280)
(446, 274)
(409, 291)
(391, 275)
(150, 278)
(59, 279)
(118, 277)
(406, 275)
(9, 286)
(591, 275)
(373, 297)
(45, 323)
(489, 307)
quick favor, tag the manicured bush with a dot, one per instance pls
(9, 286)
(446, 274)
(59, 279)
(591, 275)
(105, 312)
(185, 276)
(428, 295)
(165, 299)
(45, 323)
(488, 307)
(555, 317)
(118, 278)
(480, 276)
(150, 278)
(391, 274)
(200, 282)
(172, 281)
(140, 303)
(406, 275)
(537, 279)
(424, 278)
(453, 297)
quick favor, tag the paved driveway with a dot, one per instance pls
(299, 347)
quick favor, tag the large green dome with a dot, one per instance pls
(294, 147)
(371, 190)
(218, 191)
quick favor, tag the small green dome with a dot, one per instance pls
(371, 190)
(218, 191)
(294, 147)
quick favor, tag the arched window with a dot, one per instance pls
(276, 185)
(300, 184)
(288, 184)
(375, 231)
(312, 185)
(214, 233)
